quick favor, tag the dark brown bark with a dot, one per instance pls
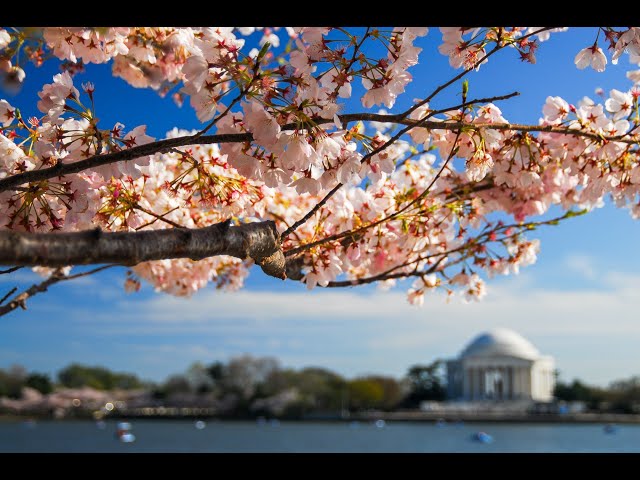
(259, 241)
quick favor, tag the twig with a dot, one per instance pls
(385, 219)
(8, 295)
(242, 93)
(310, 213)
(468, 245)
(9, 270)
(21, 299)
(465, 72)
(158, 217)
(90, 272)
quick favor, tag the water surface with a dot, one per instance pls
(336, 437)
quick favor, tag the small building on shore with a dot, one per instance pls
(501, 365)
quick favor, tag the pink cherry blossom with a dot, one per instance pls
(591, 56)
(555, 109)
(7, 113)
(261, 124)
(399, 213)
(619, 103)
(54, 95)
(5, 39)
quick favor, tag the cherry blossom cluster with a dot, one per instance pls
(441, 197)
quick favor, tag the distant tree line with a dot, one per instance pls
(253, 386)
(622, 396)
(16, 377)
(250, 386)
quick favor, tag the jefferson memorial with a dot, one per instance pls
(500, 365)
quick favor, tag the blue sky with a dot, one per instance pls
(577, 303)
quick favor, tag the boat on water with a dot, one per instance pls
(123, 432)
(482, 437)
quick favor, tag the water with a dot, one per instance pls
(184, 436)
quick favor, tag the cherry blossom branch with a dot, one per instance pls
(381, 148)
(311, 212)
(389, 217)
(158, 217)
(372, 279)
(240, 96)
(449, 125)
(167, 145)
(391, 276)
(348, 233)
(161, 146)
(388, 275)
(484, 237)
(472, 102)
(440, 88)
(326, 198)
(20, 299)
(259, 241)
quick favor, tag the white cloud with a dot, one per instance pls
(581, 264)
(592, 333)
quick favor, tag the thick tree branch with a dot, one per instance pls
(259, 241)
(163, 146)
(160, 146)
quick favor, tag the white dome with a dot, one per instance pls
(501, 342)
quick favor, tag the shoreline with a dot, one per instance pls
(488, 417)
(416, 417)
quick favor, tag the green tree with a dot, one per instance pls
(175, 384)
(365, 394)
(100, 378)
(624, 395)
(40, 382)
(326, 388)
(319, 390)
(391, 391)
(215, 371)
(12, 380)
(426, 382)
(199, 378)
(578, 391)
